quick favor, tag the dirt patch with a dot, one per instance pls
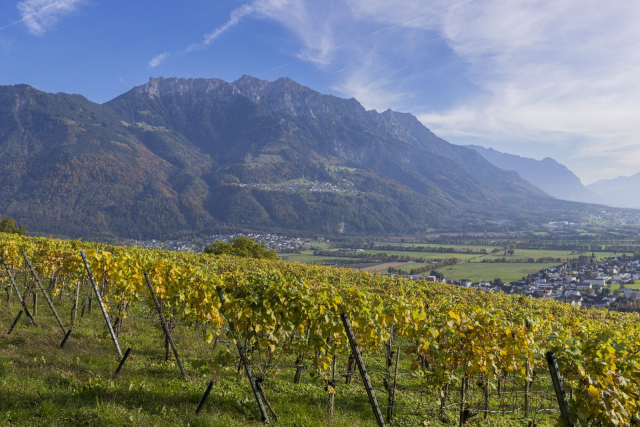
(385, 266)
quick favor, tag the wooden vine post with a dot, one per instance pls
(205, 396)
(463, 401)
(391, 381)
(363, 370)
(15, 322)
(393, 388)
(122, 362)
(559, 388)
(15, 288)
(485, 392)
(351, 367)
(74, 310)
(300, 358)
(102, 307)
(331, 389)
(245, 360)
(527, 392)
(46, 296)
(163, 321)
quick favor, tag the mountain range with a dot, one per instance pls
(547, 174)
(182, 156)
(558, 181)
(621, 191)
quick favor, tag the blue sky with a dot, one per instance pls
(537, 77)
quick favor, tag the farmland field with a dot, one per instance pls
(426, 255)
(488, 248)
(543, 253)
(307, 257)
(471, 266)
(506, 271)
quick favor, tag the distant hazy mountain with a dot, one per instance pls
(622, 191)
(177, 156)
(547, 174)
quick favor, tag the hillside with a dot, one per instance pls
(547, 174)
(179, 156)
(282, 313)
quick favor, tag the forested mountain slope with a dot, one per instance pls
(179, 156)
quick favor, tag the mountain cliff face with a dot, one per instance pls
(547, 174)
(196, 155)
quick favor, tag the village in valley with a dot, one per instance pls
(606, 284)
(585, 279)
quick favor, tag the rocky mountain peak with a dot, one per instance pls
(250, 85)
(160, 86)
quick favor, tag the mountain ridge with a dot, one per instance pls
(176, 156)
(547, 174)
(620, 190)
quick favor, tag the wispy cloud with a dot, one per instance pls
(158, 59)
(234, 19)
(550, 72)
(40, 15)
(538, 74)
(563, 74)
(298, 16)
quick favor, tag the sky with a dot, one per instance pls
(537, 78)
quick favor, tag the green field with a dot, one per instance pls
(542, 253)
(426, 255)
(409, 267)
(308, 257)
(440, 245)
(471, 266)
(508, 272)
(318, 244)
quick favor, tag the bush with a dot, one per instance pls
(243, 247)
(8, 225)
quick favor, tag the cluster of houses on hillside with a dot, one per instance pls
(596, 284)
(344, 186)
(272, 241)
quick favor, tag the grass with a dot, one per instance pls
(318, 244)
(439, 245)
(407, 268)
(472, 266)
(43, 385)
(426, 255)
(308, 257)
(508, 272)
(542, 253)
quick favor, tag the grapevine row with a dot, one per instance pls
(283, 308)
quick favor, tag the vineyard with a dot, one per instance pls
(423, 351)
